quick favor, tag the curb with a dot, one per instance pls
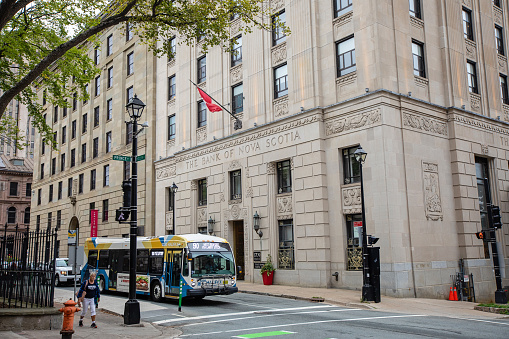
(496, 310)
(314, 300)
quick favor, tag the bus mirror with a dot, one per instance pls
(239, 269)
(189, 256)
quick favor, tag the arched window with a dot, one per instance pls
(11, 215)
(27, 216)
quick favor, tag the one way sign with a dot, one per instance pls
(121, 215)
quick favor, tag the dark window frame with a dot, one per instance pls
(415, 8)
(278, 34)
(286, 244)
(130, 63)
(172, 87)
(202, 69)
(172, 127)
(93, 179)
(284, 176)
(81, 182)
(96, 116)
(83, 152)
(468, 27)
(13, 188)
(237, 99)
(351, 167)
(499, 40)
(106, 175)
(472, 78)
(108, 142)
(279, 90)
(97, 85)
(11, 215)
(236, 53)
(419, 61)
(202, 192)
(343, 56)
(109, 45)
(236, 185)
(95, 148)
(109, 109)
(110, 77)
(503, 89)
(202, 113)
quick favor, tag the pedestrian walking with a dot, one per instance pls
(88, 293)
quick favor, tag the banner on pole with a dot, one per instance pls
(94, 216)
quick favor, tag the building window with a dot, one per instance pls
(482, 172)
(345, 54)
(468, 30)
(43, 146)
(499, 37)
(341, 7)
(75, 101)
(59, 190)
(83, 153)
(59, 219)
(73, 129)
(64, 110)
(11, 215)
(105, 210)
(95, 148)
(129, 93)
(171, 198)
(109, 45)
(418, 58)
(73, 157)
(44, 97)
(129, 133)
(127, 170)
(235, 185)
(415, 8)
(128, 31)
(69, 187)
(497, 3)
(202, 69)
(108, 142)
(472, 77)
(42, 171)
(96, 116)
(106, 175)
(13, 189)
(53, 166)
(39, 194)
(81, 180)
(64, 134)
(354, 234)
(92, 179)
(55, 137)
(84, 125)
(503, 89)
(55, 114)
(286, 257)
(171, 127)
(85, 94)
(97, 85)
(28, 189)
(130, 63)
(50, 194)
(62, 162)
(236, 51)
(109, 109)
(280, 81)
(284, 177)
(238, 99)
(172, 45)
(172, 87)
(110, 77)
(202, 113)
(202, 192)
(278, 33)
(26, 219)
(38, 222)
(97, 54)
(351, 169)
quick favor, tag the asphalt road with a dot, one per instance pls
(255, 316)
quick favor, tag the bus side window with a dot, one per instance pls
(156, 262)
(125, 262)
(187, 263)
(142, 262)
(92, 259)
(103, 258)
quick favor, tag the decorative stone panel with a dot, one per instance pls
(424, 124)
(277, 5)
(346, 79)
(194, 185)
(281, 107)
(352, 121)
(352, 202)
(470, 49)
(199, 47)
(169, 221)
(506, 112)
(340, 21)
(166, 172)
(498, 15)
(432, 199)
(201, 134)
(239, 116)
(421, 82)
(416, 22)
(235, 27)
(171, 63)
(284, 206)
(467, 3)
(278, 53)
(271, 168)
(171, 103)
(203, 85)
(201, 215)
(475, 102)
(485, 149)
(170, 143)
(236, 73)
(502, 64)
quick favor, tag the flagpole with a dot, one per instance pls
(238, 123)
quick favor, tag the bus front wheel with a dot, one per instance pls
(156, 292)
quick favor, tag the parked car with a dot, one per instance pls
(63, 272)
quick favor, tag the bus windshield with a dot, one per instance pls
(212, 263)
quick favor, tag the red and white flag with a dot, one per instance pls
(208, 101)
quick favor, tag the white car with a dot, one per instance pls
(63, 272)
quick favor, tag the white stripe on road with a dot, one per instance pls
(306, 323)
(483, 321)
(268, 315)
(238, 313)
(281, 332)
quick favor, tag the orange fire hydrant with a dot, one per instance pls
(67, 326)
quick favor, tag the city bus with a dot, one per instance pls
(204, 263)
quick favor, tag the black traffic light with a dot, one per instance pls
(126, 188)
(495, 216)
(481, 235)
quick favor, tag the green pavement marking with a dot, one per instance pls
(264, 334)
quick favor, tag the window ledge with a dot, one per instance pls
(416, 22)
(234, 201)
(421, 81)
(346, 79)
(342, 19)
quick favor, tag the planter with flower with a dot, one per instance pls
(267, 271)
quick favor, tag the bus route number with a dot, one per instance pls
(206, 246)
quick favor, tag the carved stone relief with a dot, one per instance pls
(278, 53)
(170, 143)
(475, 102)
(502, 63)
(271, 168)
(281, 107)
(171, 103)
(169, 221)
(470, 49)
(340, 21)
(497, 15)
(171, 63)
(201, 213)
(284, 206)
(346, 79)
(236, 73)
(194, 185)
(276, 5)
(467, 3)
(350, 122)
(351, 199)
(166, 172)
(506, 112)
(203, 85)
(235, 164)
(479, 124)
(416, 22)
(235, 26)
(421, 82)
(432, 199)
(424, 124)
(201, 134)
(485, 150)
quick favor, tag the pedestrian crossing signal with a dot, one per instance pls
(480, 235)
(121, 215)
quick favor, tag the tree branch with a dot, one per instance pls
(9, 8)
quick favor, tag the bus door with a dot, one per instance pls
(114, 265)
(173, 270)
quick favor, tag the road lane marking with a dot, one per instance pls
(264, 334)
(159, 322)
(266, 315)
(485, 321)
(307, 323)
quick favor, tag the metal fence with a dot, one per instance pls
(27, 267)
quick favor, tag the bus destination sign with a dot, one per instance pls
(209, 246)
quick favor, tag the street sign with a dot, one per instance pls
(258, 265)
(140, 157)
(71, 237)
(121, 157)
(257, 256)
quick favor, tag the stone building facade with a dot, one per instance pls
(81, 174)
(423, 89)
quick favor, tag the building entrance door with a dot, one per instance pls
(238, 246)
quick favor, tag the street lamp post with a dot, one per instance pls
(368, 293)
(132, 308)
(174, 188)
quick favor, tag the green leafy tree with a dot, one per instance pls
(42, 42)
